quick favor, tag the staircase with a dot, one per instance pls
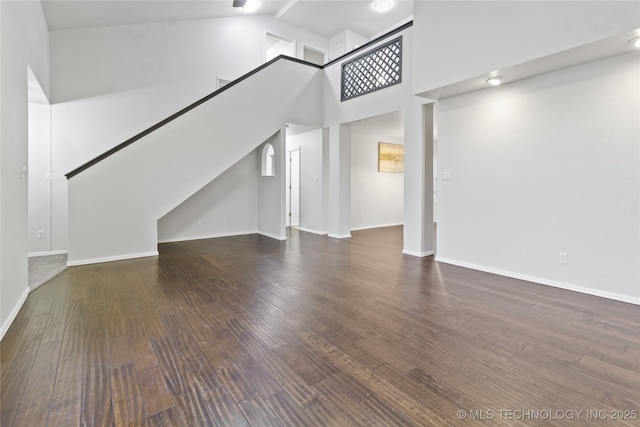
(116, 199)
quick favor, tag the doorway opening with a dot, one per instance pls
(377, 192)
(44, 262)
(275, 45)
(293, 188)
(305, 162)
(313, 55)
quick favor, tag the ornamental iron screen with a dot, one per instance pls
(373, 70)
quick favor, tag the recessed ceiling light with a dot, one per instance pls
(382, 5)
(635, 42)
(495, 81)
(250, 6)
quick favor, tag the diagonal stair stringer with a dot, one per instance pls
(114, 205)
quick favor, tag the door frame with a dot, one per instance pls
(288, 192)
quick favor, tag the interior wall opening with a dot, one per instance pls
(313, 55)
(304, 186)
(275, 45)
(44, 263)
(377, 171)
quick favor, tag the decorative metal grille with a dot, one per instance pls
(373, 71)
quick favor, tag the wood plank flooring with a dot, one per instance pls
(249, 331)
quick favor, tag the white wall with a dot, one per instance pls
(226, 206)
(118, 201)
(544, 166)
(86, 128)
(90, 62)
(271, 191)
(339, 200)
(457, 40)
(39, 184)
(311, 179)
(24, 40)
(377, 198)
(417, 223)
(392, 98)
(345, 41)
(110, 83)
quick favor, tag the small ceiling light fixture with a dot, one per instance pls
(495, 80)
(250, 6)
(382, 5)
(635, 42)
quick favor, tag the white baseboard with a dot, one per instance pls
(546, 282)
(369, 227)
(110, 259)
(48, 253)
(310, 230)
(340, 236)
(208, 236)
(12, 316)
(418, 254)
(272, 236)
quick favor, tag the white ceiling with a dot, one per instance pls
(327, 18)
(390, 125)
(323, 17)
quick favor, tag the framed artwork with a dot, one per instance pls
(390, 157)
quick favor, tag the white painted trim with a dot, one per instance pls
(285, 8)
(208, 236)
(272, 236)
(309, 230)
(111, 258)
(546, 282)
(418, 254)
(369, 227)
(12, 316)
(48, 253)
(340, 236)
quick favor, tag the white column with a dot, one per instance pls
(419, 134)
(340, 181)
(325, 180)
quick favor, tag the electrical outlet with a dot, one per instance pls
(446, 175)
(48, 176)
(41, 234)
(224, 220)
(564, 258)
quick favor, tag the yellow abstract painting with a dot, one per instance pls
(390, 157)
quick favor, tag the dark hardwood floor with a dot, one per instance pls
(249, 331)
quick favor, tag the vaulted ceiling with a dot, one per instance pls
(323, 17)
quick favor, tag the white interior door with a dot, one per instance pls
(293, 188)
